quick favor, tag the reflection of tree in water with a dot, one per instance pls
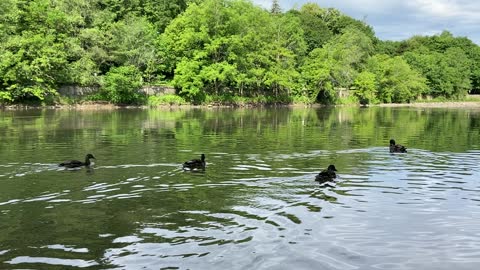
(247, 151)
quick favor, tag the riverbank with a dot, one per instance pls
(110, 106)
(449, 104)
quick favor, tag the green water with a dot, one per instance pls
(257, 205)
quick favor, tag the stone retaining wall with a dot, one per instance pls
(79, 91)
(157, 90)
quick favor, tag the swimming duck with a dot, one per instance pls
(77, 163)
(326, 175)
(397, 148)
(195, 164)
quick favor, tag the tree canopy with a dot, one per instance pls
(212, 48)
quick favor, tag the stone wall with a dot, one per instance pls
(343, 92)
(157, 90)
(79, 91)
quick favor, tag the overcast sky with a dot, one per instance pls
(402, 19)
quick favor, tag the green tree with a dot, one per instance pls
(336, 65)
(276, 9)
(448, 74)
(436, 47)
(161, 13)
(232, 44)
(366, 88)
(316, 31)
(396, 81)
(122, 84)
(316, 74)
(133, 44)
(8, 18)
(284, 51)
(388, 47)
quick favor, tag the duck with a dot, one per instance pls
(397, 148)
(77, 163)
(195, 163)
(326, 175)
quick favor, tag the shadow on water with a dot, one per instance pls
(256, 205)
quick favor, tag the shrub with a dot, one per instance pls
(5, 97)
(121, 85)
(166, 100)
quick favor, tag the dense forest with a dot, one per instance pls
(221, 51)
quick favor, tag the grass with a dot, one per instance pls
(475, 98)
(162, 100)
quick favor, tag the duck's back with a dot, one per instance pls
(398, 149)
(71, 164)
(325, 175)
(194, 164)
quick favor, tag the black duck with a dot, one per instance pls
(397, 148)
(77, 163)
(326, 175)
(198, 164)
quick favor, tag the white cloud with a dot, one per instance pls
(447, 8)
(440, 8)
(401, 19)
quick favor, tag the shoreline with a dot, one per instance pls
(109, 106)
(446, 104)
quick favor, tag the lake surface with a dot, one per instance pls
(257, 205)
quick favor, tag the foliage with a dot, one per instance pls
(5, 97)
(275, 7)
(365, 88)
(448, 74)
(316, 75)
(48, 43)
(396, 81)
(122, 84)
(316, 31)
(335, 65)
(221, 48)
(169, 99)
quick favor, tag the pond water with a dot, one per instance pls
(257, 205)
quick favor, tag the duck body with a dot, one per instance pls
(397, 148)
(77, 163)
(327, 175)
(195, 164)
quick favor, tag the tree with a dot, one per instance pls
(336, 65)
(366, 88)
(448, 74)
(228, 44)
(316, 31)
(316, 74)
(133, 44)
(388, 47)
(161, 13)
(284, 50)
(436, 47)
(396, 81)
(122, 84)
(276, 9)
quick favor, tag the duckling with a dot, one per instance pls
(77, 163)
(195, 164)
(326, 175)
(397, 148)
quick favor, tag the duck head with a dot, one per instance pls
(331, 168)
(89, 156)
(392, 142)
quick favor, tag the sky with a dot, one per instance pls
(402, 19)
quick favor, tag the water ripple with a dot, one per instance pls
(52, 261)
(386, 211)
